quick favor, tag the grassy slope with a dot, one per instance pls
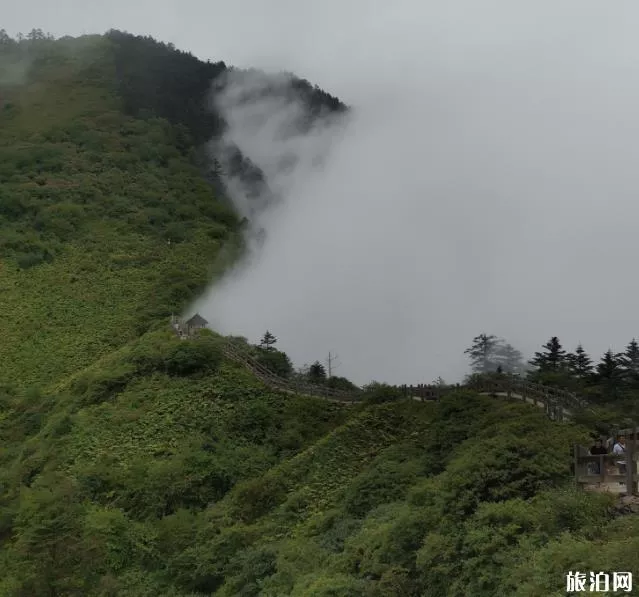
(465, 498)
(104, 192)
(131, 467)
(90, 197)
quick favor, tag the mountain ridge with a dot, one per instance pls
(135, 463)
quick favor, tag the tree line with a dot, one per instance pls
(614, 376)
(613, 380)
(280, 364)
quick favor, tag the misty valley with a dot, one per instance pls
(239, 356)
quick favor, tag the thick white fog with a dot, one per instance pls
(487, 180)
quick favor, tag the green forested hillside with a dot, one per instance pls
(134, 464)
(89, 197)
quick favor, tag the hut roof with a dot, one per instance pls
(197, 320)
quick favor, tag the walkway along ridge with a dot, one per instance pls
(552, 400)
(558, 405)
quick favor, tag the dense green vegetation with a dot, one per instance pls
(136, 464)
(610, 386)
(89, 198)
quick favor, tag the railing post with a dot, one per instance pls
(630, 468)
(631, 464)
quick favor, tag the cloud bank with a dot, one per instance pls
(484, 183)
(487, 180)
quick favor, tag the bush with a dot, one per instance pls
(256, 564)
(150, 353)
(376, 393)
(381, 484)
(29, 260)
(105, 384)
(199, 355)
(275, 361)
(341, 383)
(257, 497)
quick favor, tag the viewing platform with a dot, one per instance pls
(612, 473)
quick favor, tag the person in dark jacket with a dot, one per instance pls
(596, 450)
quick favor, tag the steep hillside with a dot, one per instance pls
(100, 167)
(136, 464)
(89, 198)
(145, 478)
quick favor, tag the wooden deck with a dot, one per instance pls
(604, 472)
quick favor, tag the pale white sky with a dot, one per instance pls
(488, 183)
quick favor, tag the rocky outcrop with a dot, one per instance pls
(627, 504)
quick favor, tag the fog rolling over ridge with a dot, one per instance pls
(485, 181)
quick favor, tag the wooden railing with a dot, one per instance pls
(557, 404)
(603, 472)
(427, 392)
(233, 352)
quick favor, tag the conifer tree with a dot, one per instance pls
(609, 374)
(36, 34)
(609, 367)
(579, 363)
(5, 39)
(268, 340)
(552, 359)
(317, 371)
(482, 353)
(629, 363)
(508, 358)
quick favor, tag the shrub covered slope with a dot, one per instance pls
(134, 464)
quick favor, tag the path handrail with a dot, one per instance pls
(242, 357)
(558, 404)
